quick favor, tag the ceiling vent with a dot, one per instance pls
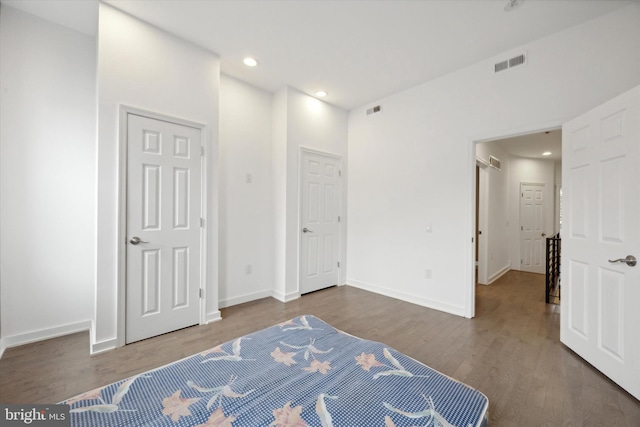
(494, 162)
(374, 110)
(509, 63)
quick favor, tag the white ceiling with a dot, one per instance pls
(358, 51)
(533, 145)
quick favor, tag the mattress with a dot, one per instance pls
(302, 372)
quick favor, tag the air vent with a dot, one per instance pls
(494, 162)
(501, 66)
(374, 110)
(516, 60)
(509, 63)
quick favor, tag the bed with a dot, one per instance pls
(302, 372)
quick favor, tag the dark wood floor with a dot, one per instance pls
(510, 351)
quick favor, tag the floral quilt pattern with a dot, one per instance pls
(299, 373)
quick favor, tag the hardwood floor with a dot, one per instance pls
(510, 352)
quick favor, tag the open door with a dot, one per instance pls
(600, 311)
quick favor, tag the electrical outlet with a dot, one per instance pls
(248, 269)
(249, 178)
(429, 228)
(427, 273)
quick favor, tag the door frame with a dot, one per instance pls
(470, 309)
(123, 124)
(309, 150)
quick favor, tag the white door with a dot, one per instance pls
(319, 220)
(600, 306)
(163, 227)
(532, 235)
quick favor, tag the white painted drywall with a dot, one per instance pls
(311, 123)
(413, 163)
(144, 67)
(494, 241)
(47, 177)
(246, 214)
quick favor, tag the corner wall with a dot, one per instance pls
(300, 121)
(413, 163)
(246, 214)
(47, 178)
(163, 74)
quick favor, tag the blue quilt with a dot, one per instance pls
(302, 372)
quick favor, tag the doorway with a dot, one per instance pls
(531, 158)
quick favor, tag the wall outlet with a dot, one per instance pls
(249, 178)
(248, 269)
(429, 228)
(427, 273)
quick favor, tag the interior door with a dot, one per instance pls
(601, 208)
(163, 227)
(532, 234)
(320, 221)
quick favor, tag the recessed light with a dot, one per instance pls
(250, 62)
(546, 153)
(321, 93)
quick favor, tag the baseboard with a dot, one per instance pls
(2, 347)
(414, 299)
(244, 298)
(102, 346)
(45, 334)
(285, 297)
(212, 317)
(504, 270)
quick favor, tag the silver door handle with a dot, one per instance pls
(135, 240)
(306, 230)
(630, 260)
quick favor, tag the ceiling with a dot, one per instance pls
(533, 145)
(358, 51)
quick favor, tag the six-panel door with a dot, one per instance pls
(163, 214)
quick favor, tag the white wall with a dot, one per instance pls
(413, 163)
(144, 67)
(494, 213)
(246, 214)
(47, 178)
(311, 123)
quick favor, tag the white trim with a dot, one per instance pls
(285, 298)
(124, 111)
(482, 163)
(45, 334)
(2, 347)
(504, 270)
(414, 299)
(212, 317)
(223, 303)
(103, 346)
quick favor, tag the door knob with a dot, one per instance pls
(544, 234)
(306, 230)
(135, 240)
(630, 260)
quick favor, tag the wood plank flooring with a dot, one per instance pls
(510, 351)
